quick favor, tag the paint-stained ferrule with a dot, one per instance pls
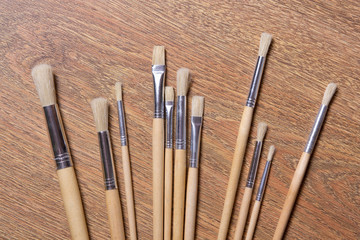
(255, 84)
(57, 137)
(122, 126)
(169, 108)
(263, 181)
(254, 165)
(181, 123)
(107, 160)
(316, 129)
(196, 125)
(158, 73)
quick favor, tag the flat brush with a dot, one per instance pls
(126, 162)
(44, 82)
(158, 73)
(193, 174)
(169, 108)
(100, 110)
(303, 163)
(245, 203)
(259, 195)
(243, 134)
(183, 78)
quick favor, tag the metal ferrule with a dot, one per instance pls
(107, 161)
(254, 89)
(254, 165)
(122, 126)
(57, 137)
(158, 73)
(316, 129)
(181, 123)
(263, 181)
(196, 124)
(169, 107)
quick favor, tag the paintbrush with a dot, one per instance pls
(100, 110)
(302, 165)
(193, 174)
(126, 162)
(44, 82)
(242, 138)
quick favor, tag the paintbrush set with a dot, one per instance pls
(176, 166)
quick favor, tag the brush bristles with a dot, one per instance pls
(118, 91)
(158, 55)
(169, 94)
(271, 153)
(262, 127)
(100, 110)
(44, 82)
(183, 80)
(329, 93)
(264, 44)
(197, 108)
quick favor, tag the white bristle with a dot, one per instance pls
(169, 94)
(44, 81)
(329, 93)
(197, 108)
(118, 91)
(158, 55)
(271, 153)
(183, 80)
(262, 127)
(100, 110)
(264, 44)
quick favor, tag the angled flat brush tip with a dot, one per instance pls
(264, 44)
(329, 93)
(262, 127)
(271, 153)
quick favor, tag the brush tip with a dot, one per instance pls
(329, 93)
(118, 91)
(158, 55)
(169, 94)
(44, 81)
(265, 42)
(271, 153)
(262, 127)
(183, 80)
(197, 109)
(100, 110)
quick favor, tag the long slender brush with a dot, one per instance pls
(44, 81)
(243, 134)
(126, 162)
(100, 111)
(303, 163)
(183, 78)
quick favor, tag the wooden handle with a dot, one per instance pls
(115, 214)
(253, 220)
(72, 203)
(244, 209)
(237, 162)
(179, 193)
(168, 192)
(291, 196)
(129, 191)
(191, 203)
(158, 178)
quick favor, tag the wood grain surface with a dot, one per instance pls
(92, 44)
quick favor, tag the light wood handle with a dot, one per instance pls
(179, 193)
(291, 196)
(115, 214)
(158, 178)
(236, 166)
(72, 203)
(168, 192)
(253, 220)
(129, 191)
(244, 210)
(191, 203)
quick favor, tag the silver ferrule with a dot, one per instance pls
(254, 89)
(169, 108)
(196, 124)
(254, 165)
(181, 123)
(158, 73)
(57, 137)
(316, 129)
(122, 126)
(263, 181)
(107, 160)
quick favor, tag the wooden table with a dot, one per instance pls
(92, 44)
